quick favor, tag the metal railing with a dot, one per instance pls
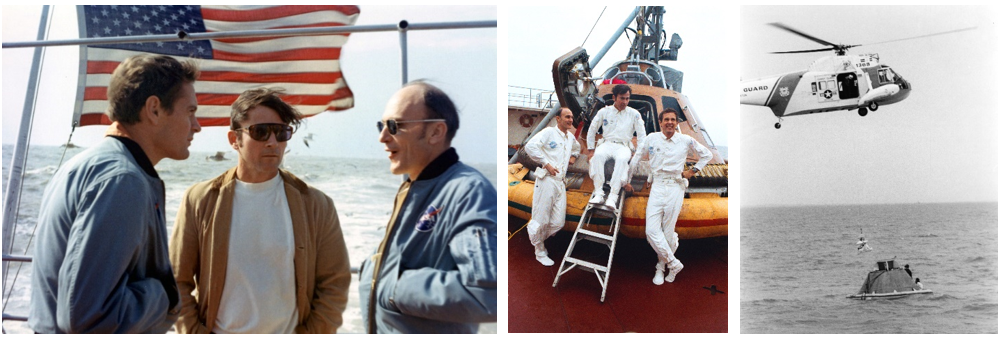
(531, 97)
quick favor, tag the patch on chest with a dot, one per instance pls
(428, 220)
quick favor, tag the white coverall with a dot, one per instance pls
(548, 204)
(619, 125)
(666, 161)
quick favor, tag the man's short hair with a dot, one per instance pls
(267, 97)
(667, 111)
(621, 89)
(141, 76)
(439, 105)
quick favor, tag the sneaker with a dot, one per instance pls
(673, 272)
(597, 197)
(611, 201)
(544, 259)
(658, 277)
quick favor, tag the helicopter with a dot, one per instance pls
(831, 83)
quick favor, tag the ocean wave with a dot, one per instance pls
(943, 297)
(927, 236)
(980, 307)
(976, 259)
(48, 170)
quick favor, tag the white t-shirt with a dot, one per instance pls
(259, 293)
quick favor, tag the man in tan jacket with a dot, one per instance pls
(263, 250)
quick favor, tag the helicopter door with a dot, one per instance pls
(847, 83)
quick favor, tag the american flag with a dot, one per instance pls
(307, 67)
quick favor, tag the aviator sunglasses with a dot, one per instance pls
(261, 132)
(393, 125)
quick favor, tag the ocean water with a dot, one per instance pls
(798, 264)
(362, 191)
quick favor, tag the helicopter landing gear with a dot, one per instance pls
(777, 125)
(873, 106)
(862, 111)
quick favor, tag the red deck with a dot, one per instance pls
(633, 303)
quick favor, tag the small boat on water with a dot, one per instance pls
(887, 282)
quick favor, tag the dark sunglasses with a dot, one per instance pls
(262, 132)
(393, 125)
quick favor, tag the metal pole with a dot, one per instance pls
(614, 37)
(20, 157)
(402, 47)
(251, 33)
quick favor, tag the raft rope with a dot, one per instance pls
(511, 235)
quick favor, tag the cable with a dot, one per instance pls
(595, 25)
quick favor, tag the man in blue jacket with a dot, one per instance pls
(101, 263)
(436, 269)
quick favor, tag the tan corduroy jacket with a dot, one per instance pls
(199, 248)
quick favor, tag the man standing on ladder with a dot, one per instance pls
(619, 122)
(555, 149)
(667, 153)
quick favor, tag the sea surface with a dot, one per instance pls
(798, 264)
(361, 189)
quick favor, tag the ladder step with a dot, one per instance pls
(587, 264)
(594, 234)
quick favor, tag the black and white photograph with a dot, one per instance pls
(868, 143)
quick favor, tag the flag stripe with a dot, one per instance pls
(100, 93)
(204, 111)
(242, 40)
(280, 44)
(290, 55)
(105, 68)
(272, 67)
(261, 14)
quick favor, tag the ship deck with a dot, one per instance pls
(633, 303)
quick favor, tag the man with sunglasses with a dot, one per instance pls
(555, 148)
(436, 269)
(100, 260)
(257, 250)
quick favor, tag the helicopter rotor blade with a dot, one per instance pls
(807, 36)
(923, 36)
(805, 51)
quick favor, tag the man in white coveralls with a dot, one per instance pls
(619, 122)
(667, 153)
(555, 149)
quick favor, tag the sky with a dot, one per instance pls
(539, 35)
(460, 62)
(938, 145)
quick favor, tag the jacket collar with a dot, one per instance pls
(439, 165)
(140, 156)
(230, 177)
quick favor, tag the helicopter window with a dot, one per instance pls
(882, 76)
(814, 87)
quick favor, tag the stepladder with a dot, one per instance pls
(587, 231)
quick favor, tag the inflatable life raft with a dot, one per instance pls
(703, 214)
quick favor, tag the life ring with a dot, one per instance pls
(526, 120)
(828, 94)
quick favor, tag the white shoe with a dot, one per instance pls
(673, 272)
(611, 201)
(658, 277)
(544, 259)
(597, 197)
